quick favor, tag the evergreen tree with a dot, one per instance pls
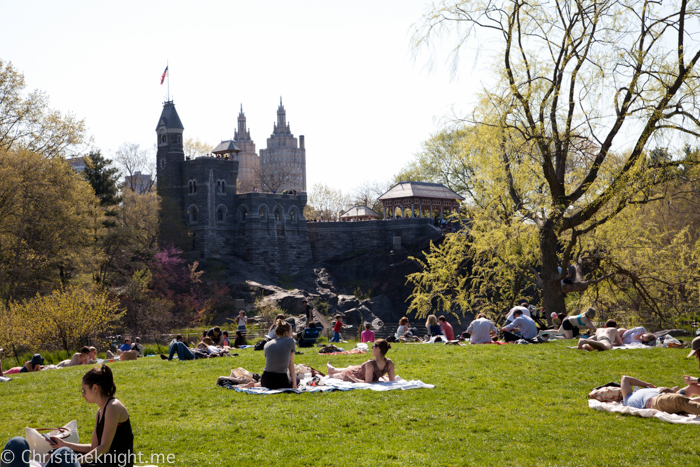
(104, 179)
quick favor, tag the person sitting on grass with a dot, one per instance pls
(179, 347)
(80, 358)
(138, 347)
(525, 325)
(510, 317)
(446, 328)
(279, 359)
(692, 382)
(126, 346)
(35, 364)
(571, 325)
(240, 340)
(225, 342)
(650, 397)
(215, 335)
(403, 328)
(604, 339)
(271, 332)
(112, 439)
(371, 371)
(482, 330)
(634, 335)
(431, 324)
(367, 335)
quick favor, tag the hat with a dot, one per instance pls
(590, 312)
(554, 315)
(37, 359)
(695, 346)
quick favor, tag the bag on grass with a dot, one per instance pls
(260, 345)
(606, 394)
(38, 444)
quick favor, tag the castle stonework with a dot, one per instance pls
(266, 229)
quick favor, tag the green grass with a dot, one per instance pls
(492, 405)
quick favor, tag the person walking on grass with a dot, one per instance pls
(337, 327)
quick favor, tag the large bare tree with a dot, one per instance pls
(580, 90)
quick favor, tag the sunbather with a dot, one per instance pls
(80, 358)
(638, 334)
(369, 372)
(604, 339)
(571, 325)
(35, 364)
(112, 438)
(650, 397)
(179, 347)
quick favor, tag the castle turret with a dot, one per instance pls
(170, 153)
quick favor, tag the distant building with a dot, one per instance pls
(77, 162)
(283, 163)
(249, 163)
(139, 183)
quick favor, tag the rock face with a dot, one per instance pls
(365, 287)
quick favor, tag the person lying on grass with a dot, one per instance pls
(667, 400)
(369, 372)
(35, 364)
(80, 358)
(604, 339)
(112, 441)
(179, 347)
(638, 334)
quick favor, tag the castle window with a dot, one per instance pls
(194, 186)
(220, 215)
(244, 214)
(278, 215)
(193, 214)
(223, 186)
(162, 163)
(293, 215)
(178, 139)
(262, 215)
(163, 139)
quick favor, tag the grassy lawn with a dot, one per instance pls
(492, 405)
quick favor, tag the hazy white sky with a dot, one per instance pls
(344, 71)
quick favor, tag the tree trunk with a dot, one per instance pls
(552, 294)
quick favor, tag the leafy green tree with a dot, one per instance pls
(27, 121)
(579, 92)
(103, 178)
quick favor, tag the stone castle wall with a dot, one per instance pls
(330, 239)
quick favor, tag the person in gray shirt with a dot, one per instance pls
(279, 359)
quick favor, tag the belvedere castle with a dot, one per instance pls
(267, 230)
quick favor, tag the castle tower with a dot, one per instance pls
(249, 166)
(170, 154)
(283, 163)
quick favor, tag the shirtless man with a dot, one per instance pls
(604, 338)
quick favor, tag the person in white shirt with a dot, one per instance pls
(482, 330)
(527, 327)
(634, 335)
(523, 307)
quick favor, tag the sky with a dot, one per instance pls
(344, 71)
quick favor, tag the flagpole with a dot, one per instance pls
(167, 66)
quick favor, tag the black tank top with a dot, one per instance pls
(120, 452)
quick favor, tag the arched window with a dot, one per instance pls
(223, 186)
(293, 215)
(194, 186)
(193, 214)
(262, 214)
(190, 184)
(278, 215)
(244, 214)
(220, 215)
(163, 139)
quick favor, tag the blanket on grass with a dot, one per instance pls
(637, 345)
(332, 384)
(617, 407)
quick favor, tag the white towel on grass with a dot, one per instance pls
(637, 345)
(617, 407)
(333, 384)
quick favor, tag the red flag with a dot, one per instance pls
(165, 73)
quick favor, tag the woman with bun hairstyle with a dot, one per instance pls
(279, 359)
(112, 441)
(369, 372)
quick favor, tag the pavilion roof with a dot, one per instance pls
(361, 211)
(226, 147)
(420, 190)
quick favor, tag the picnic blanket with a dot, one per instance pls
(617, 407)
(636, 345)
(333, 384)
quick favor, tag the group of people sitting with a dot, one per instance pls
(436, 329)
